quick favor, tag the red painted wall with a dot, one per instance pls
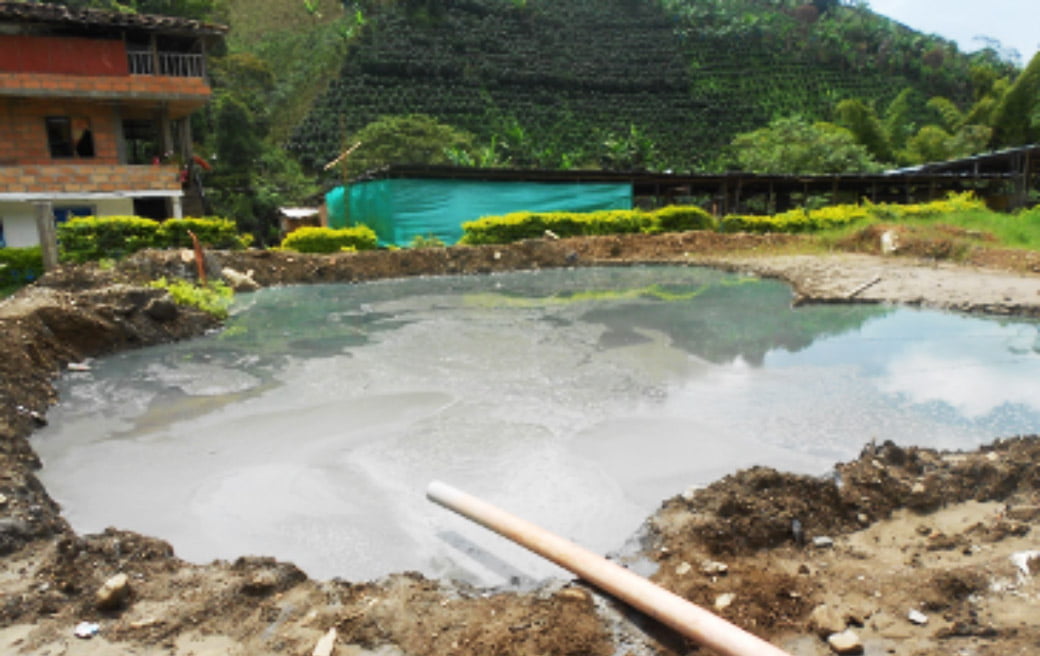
(66, 55)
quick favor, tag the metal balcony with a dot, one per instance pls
(171, 64)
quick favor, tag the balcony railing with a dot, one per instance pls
(173, 64)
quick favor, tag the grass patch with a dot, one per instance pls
(214, 299)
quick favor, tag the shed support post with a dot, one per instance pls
(47, 234)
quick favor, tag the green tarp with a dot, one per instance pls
(401, 209)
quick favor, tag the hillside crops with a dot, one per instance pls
(553, 80)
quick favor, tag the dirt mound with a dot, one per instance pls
(783, 545)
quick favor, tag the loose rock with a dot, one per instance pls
(917, 617)
(846, 642)
(86, 630)
(714, 568)
(826, 620)
(240, 282)
(114, 594)
(724, 601)
(575, 594)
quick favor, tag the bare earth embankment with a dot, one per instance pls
(951, 536)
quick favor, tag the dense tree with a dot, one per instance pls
(410, 139)
(899, 117)
(862, 120)
(251, 176)
(793, 145)
(1012, 117)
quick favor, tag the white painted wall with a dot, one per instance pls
(19, 219)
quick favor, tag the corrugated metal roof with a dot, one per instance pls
(33, 12)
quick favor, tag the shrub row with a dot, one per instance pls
(330, 240)
(20, 265)
(529, 225)
(92, 238)
(835, 216)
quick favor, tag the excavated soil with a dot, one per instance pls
(915, 551)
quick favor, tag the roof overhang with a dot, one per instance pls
(42, 196)
(60, 15)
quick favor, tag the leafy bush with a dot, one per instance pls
(678, 218)
(966, 201)
(836, 216)
(214, 298)
(91, 238)
(213, 232)
(20, 265)
(330, 240)
(530, 225)
(427, 241)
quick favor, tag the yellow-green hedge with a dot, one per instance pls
(800, 220)
(529, 225)
(330, 240)
(87, 238)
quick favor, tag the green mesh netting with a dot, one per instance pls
(401, 209)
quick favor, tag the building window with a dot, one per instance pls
(142, 141)
(63, 213)
(69, 137)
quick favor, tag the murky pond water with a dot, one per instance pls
(581, 399)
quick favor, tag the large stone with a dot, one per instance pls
(114, 594)
(846, 642)
(826, 620)
(240, 282)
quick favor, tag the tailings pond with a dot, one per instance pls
(309, 428)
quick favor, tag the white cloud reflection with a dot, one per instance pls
(972, 385)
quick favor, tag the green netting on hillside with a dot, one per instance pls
(400, 210)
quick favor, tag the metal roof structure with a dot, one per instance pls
(1002, 177)
(1006, 160)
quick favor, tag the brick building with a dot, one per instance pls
(94, 114)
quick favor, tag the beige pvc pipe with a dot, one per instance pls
(692, 621)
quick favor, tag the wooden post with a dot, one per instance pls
(47, 234)
(200, 259)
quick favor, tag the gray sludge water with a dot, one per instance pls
(309, 428)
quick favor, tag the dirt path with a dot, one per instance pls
(949, 536)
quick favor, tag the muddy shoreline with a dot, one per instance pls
(778, 580)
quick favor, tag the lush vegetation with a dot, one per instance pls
(839, 216)
(630, 85)
(532, 225)
(793, 145)
(214, 298)
(88, 238)
(330, 240)
(19, 266)
(965, 211)
(771, 86)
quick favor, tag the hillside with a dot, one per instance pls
(658, 84)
